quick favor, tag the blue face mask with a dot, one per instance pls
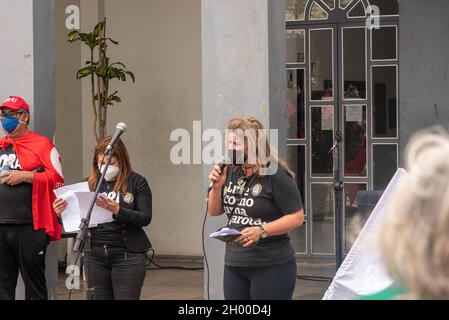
(10, 123)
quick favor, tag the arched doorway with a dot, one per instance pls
(342, 114)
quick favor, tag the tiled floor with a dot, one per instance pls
(171, 284)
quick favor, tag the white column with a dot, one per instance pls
(16, 55)
(242, 56)
(26, 70)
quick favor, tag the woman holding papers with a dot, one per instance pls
(264, 204)
(115, 252)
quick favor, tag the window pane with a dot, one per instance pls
(296, 159)
(295, 46)
(385, 164)
(386, 7)
(344, 3)
(384, 43)
(322, 140)
(354, 61)
(355, 141)
(295, 9)
(384, 102)
(295, 104)
(358, 11)
(355, 215)
(317, 12)
(323, 228)
(321, 80)
(330, 3)
(298, 239)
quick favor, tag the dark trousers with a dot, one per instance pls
(276, 282)
(114, 273)
(22, 249)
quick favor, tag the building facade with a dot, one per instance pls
(345, 97)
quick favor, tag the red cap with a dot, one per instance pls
(16, 104)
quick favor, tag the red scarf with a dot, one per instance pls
(34, 151)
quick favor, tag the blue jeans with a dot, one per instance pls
(114, 273)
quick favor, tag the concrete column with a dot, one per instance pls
(44, 61)
(424, 67)
(26, 69)
(68, 106)
(243, 75)
(16, 57)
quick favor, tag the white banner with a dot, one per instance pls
(362, 272)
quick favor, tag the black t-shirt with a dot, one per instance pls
(135, 213)
(265, 199)
(15, 201)
(109, 234)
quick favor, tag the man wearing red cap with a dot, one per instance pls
(30, 169)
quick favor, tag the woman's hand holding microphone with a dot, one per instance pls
(218, 177)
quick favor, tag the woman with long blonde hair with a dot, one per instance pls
(263, 204)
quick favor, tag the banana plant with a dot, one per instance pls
(100, 71)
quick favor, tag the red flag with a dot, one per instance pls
(35, 151)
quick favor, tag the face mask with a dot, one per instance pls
(111, 173)
(238, 157)
(10, 123)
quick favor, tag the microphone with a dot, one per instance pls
(222, 164)
(119, 130)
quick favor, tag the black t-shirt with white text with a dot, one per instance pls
(15, 201)
(110, 233)
(265, 199)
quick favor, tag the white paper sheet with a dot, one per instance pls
(78, 187)
(78, 199)
(99, 215)
(225, 234)
(354, 113)
(327, 118)
(71, 214)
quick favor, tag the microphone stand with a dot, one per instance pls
(81, 236)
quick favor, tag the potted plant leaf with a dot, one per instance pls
(101, 71)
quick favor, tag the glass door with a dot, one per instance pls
(342, 113)
(312, 125)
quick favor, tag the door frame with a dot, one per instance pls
(338, 22)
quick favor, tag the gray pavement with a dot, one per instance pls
(172, 284)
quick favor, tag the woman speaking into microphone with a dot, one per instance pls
(115, 252)
(260, 264)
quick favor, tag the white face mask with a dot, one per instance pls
(111, 173)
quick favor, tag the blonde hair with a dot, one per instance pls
(251, 123)
(415, 235)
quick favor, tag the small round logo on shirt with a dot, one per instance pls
(128, 198)
(256, 190)
(225, 189)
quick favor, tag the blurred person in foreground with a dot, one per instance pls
(415, 236)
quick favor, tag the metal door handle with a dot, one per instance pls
(338, 185)
(334, 146)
